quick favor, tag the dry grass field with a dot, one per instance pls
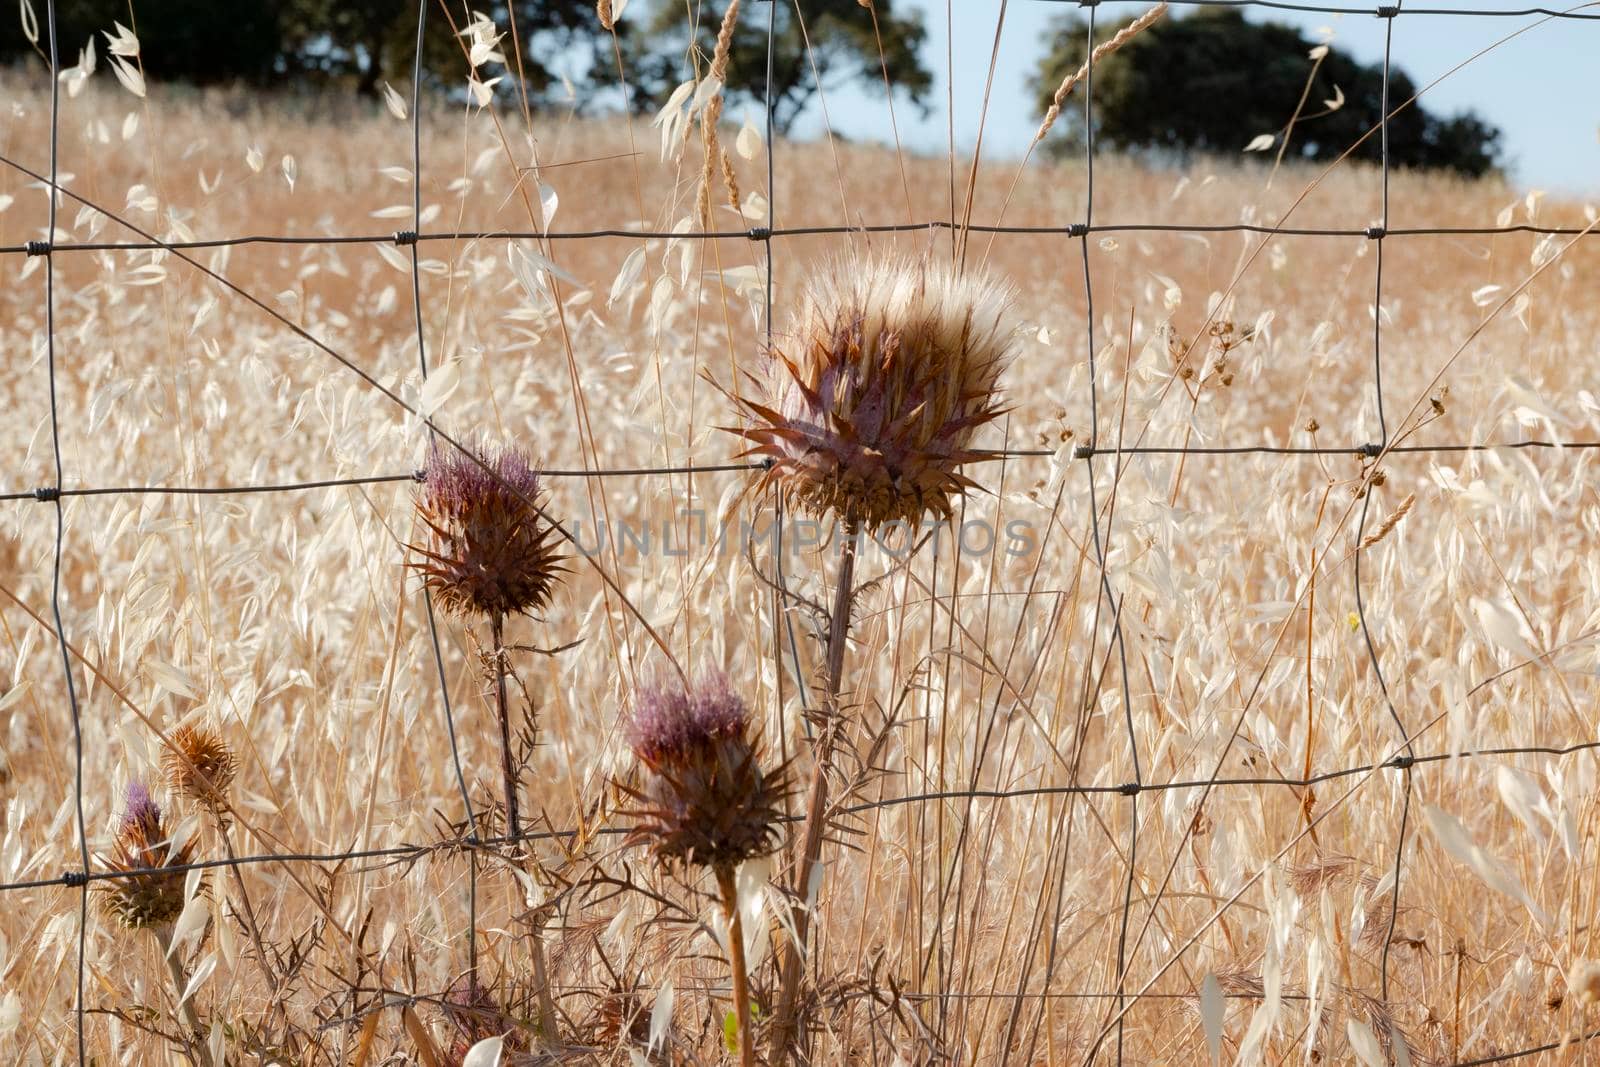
(978, 929)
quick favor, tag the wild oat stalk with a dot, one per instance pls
(867, 413)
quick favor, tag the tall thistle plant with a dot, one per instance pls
(491, 554)
(704, 800)
(867, 410)
(146, 892)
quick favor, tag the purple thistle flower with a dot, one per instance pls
(704, 798)
(141, 813)
(144, 894)
(491, 554)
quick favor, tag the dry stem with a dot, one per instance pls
(815, 828)
(196, 1043)
(741, 987)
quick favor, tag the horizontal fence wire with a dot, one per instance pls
(1125, 789)
(1406, 763)
(49, 493)
(762, 233)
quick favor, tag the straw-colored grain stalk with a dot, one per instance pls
(712, 113)
(1122, 37)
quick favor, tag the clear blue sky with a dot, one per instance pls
(1542, 89)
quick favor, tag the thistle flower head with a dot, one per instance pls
(143, 843)
(200, 766)
(871, 402)
(703, 798)
(489, 553)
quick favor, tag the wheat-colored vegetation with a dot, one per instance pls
(974, 928)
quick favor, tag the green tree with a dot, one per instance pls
(1212, 81)
(370, 41)
(843, 47)
(199, 41)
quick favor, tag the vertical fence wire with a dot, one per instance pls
(53, 194)
(1377, 450)
(1104, 594)
(427, 594)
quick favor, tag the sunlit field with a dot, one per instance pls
(1243, 616)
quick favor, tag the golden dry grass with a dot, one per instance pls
(288, 621)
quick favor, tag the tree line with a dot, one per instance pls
(1208, 81)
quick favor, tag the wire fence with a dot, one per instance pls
(1403, 760)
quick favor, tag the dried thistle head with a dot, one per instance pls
(870, 404)
(143, 843)
(703, 797)
(200, 766)
(489, 552)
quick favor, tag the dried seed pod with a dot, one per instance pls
(703, 798)
(869, 405)
(490, 553)
(201, 767)
(153, 897)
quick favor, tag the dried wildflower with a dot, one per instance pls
(871, 403)
(491, 554)
(705, 799)
(201, 767)
(143, 841)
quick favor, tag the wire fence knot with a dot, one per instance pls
(1388, 11)
(405, 237)
(1371, 450)
(37, 248)
(46, 493)
(1403, 763)
(1376, 233)
(760, 233)
(75, 879)
(1078, 229)
(420, 474)
(1083, 452)
(1130, 789)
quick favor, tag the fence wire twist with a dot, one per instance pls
(1403, 759)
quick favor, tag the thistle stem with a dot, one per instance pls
(815, 828)
(503, 708)
(195, 1041)
(741, 985)
(548, 1024)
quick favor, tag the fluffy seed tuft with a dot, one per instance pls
(871, 402)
